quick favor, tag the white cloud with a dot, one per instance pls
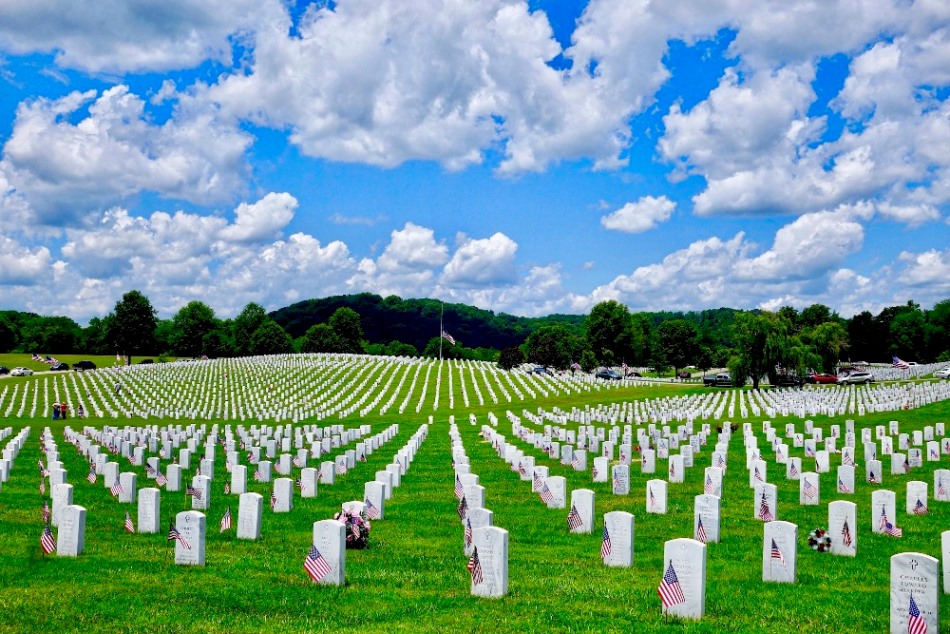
(261, 220)
(63, 169)
(643, 215)
(482, 262)
(117, 36)
(20, 265)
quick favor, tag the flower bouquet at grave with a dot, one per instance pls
(357, 529)
(819, 540)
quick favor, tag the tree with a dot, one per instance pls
(761, 345)
(320, 338)
(861, 335)
(554, 346)
(609, 332)
(345, 322)
(51, 334)
(8, 336)
(816, 314)
(907, 335)
(217, 344)
(94, 336)
(245, 325)
(510, 357)
(400, 349)
(132, 325)
(270, 338)
(828, 340)
(678, 340)
(191, 323)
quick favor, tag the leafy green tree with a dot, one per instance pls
(510, 357)
(245, 325)
(94, 336)
(270, 338)
(609, 332)
(217, 344)
(761, 344)
(554, 346)
(190, 326)
(9, 337)
(816, 314)
(862, 336)
(345, 322)
(828, 340)
(52, 334)
(321, 338)
(132, 325)
(907, 335)
(678, 340)
(448, 350)
(400, 349)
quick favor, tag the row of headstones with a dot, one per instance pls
(10, 451)
(485, 545)
(190, 549)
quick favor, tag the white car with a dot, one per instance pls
(856, 378)
(21, 372)
(943, 374)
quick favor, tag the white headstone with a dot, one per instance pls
(843, 528)
(308, 482)
(765, 502)
(619, 535)
(918, 502)
(249, 516)
(190, 550)
(883, 511)
(656, 497)
(149, 510)
(476, 518)
(490, 559)
(809, 493)
(686, 559)
(914, 584)
(374, 500)
(582, 511)
(284, 492)
(845, 484)
(62, 495)
(706, 513)
(71, 537)
(780, 552)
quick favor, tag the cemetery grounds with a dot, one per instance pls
(413, 578)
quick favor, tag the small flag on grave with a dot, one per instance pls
(670, 591)
(258, 477)
(920, 508)
(92, 477)
(809, 490)
(149, 468)
(462, 508)
(193, 492)
(545, 493)
(46, 511)
(315, 565)
(574, 520)
(605, 545)
(708, 487)
(273, 500)
(128, 523)
(116, 489)
(46, 540)
(468, 532)
(701, 531)
(594, 473)
(887, 527)
(873, 479)
(298, 483)
(758, 475)
(765, 513)
(160, 479)
(842, 487)
(226, 520)
(371, 511)
(915, 623)
(459, 490)
(475, 567)
(174, 535)
(42, 486)
(941, 490)
(793, 471)
(776, 553)
(846, 538)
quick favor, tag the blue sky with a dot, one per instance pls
(529, 158)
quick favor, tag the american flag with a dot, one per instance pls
(298, 483)
(765, 513)
(575, 463)
(842, 487)
(46, 511)
(574, 520)
(174, 535)
(227, 466)
(46, 540)
(116, 489)
(701, 531)
(273, 500)
(160, 479)
(130, 459)
(315, 565)
(545, 493)
(521, 469)
(809, 490)
(872, 478)
(941, 490)
(468, 532)
(920, 508)
(758, 475)
(708, 487)
(226, 521)
(92, 475)
(372, 512)
(149, 468)
(129, 527)
(900, 365)
(594, 472)
(915, 623)
(227, 488)
(887, 527)
(462, 508)
(161, 453)
(475, 567)
(793, 471)
(651, 498)
(776, 553)
(848, 460)
(448, 337)
(672, 469)
(42, 486)
(341, 468)
(721, 462)
(258, 476)
(906, 466)
(605, 546)
(194, 492)
(670, 591)
(459, 489)
(846, 538)
(575, 366)
(298, 462)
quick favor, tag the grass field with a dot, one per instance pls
(413, 578)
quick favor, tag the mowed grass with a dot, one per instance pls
(413, 578)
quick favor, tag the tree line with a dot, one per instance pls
(751, 343)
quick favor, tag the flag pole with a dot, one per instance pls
(441, 329)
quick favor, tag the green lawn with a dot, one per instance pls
(413, 578)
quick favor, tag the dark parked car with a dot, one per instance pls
(4, 369)
(59, 367)
(684, 375)
(611, 375)
(81, 366)
(788, 380)
(146, 361)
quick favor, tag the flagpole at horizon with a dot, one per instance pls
(441, 328)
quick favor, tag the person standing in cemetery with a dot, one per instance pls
(63, 408)
(80, 411)
(55, 411)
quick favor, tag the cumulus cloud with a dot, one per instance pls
(20, 265)
(481, 262)
(261, 220)
(63, 168)
(643, 215)
(118, 36)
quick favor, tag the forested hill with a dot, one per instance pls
(416, 321)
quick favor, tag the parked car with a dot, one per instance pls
(21, 372)
(4, 370)
(541, 370)
(611, 375)
(856, 378)
(788, 380)
(81, 366)
(149, 361)
(943, 374)
(817, 377)
(723, 379)
(59, 367)
(684, 375)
